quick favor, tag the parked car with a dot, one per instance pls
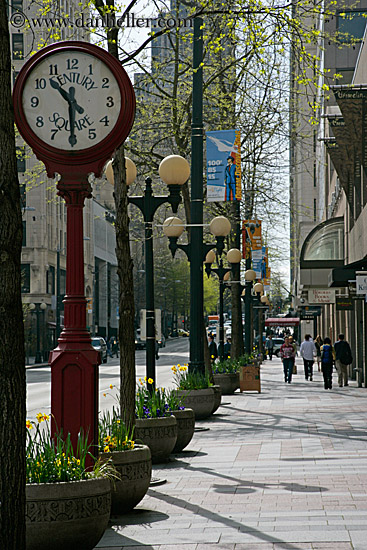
(100, 345)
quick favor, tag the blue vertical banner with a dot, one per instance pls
(223, 160)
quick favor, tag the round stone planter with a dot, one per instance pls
(134, 468)
(159, 434)
(70, 515)
(217, 397)
(228, 382)
(185, 428)
(200, 401)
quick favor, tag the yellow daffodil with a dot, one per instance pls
(111, 386)
(40, 417)
(145, 378)
(29, 425)
(106, 449)
(104, 395)
(150, 380)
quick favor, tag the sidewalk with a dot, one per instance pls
(284, 469)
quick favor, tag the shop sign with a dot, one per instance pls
(361, 284)
(321, 296)
(344, 303)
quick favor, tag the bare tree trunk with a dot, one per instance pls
(126, 297)
(125, 273)
(12, 371)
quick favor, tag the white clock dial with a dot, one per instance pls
(71, 100)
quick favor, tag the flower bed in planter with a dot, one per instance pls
(229, 382)
(70, 515)
(159, 434)
(185, 428)
(134, 470)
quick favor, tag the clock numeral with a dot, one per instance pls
(34, 101)
(110, 102)
(105, 120)
(40, 83)
(53, 133)
(53, 70)
(90, 69)
(105, 82)
(92, 133)
(71, 64)
(39, 121)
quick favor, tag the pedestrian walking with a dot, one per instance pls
(327, 360)
(109, 352)
(227, 348)
(269, 346)
(114, 346)
(213, 350)
(318, 343)
(343, 358)
(287, 355)
(308, 352)
(293, 343)
(156, 350)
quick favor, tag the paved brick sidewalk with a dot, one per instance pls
(284, 469)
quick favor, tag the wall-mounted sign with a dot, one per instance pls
(344, 303)
(311, 311)
(361, 284)
(321, 296)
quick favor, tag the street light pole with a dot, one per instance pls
(38, 309)
(174, 170)
(234, 258)
(58, 308)
(196, 208)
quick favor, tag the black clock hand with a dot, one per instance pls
(65, 94)
(72, 108)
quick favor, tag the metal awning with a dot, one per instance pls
(282, 322)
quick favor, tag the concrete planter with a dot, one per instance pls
(217, 397)
(159, 434)
(185, 428)
(134, 468)
(70, 515)
(200, 401)
(228, 382)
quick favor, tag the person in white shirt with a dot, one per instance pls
(308, 352)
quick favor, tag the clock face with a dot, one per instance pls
(71, 100)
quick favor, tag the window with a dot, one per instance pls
(23, 200)
(327, 243)
(18, 46)
(346, 75)
(26, 278)
(351, 25)
(24, 241)
(21, 164)
(50, 283)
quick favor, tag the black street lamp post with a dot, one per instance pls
(250, 276)
(38, 309)
(234, 258)
(173, 228)
(174, 170)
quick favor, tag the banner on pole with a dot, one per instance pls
(223, 157)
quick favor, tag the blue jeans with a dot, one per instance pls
(288, 369)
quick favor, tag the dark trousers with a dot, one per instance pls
(308, 368)
(327, 372)
(270, 353)
(288, 369)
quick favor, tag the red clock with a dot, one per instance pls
(74, 105)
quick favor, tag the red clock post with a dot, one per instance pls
(74, 105)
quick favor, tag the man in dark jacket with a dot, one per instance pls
(343, 358)
(213, 351)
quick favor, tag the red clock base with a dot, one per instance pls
(74, 363)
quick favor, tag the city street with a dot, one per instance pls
(285, 469)
(39, 379)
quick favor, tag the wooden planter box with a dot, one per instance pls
(250, 378)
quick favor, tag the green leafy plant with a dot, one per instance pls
(151, 404)
(52, 459)
(186, 380)
(230, 366)
(113, 434)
